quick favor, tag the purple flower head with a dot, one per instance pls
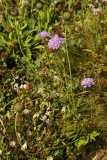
(55, 42)
(44, 34)
(87, 82)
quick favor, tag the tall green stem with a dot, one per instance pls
(69, 65)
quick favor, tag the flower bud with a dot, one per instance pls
(66, 16)
(14, 12)
(18, 107)
(39, 6)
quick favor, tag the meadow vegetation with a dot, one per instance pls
(53, 79)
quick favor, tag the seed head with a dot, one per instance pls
(39, 6)
(66, 16)
(18, 106)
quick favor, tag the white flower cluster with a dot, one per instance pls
(95, 11)
(45, 118)
(16, 85)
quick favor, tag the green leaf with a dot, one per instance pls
(93, 135)
(48, 16)
(4, 35)
(88, 50)
(24, 26)
(70, 2)
(47, 19)
(81, 143)
(39, 47)
(80, 99)
(28, 52)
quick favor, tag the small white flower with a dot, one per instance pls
(43, 118)
(56, 80)
(47, 113)
(48, 108)
(57, 94)
(23, 86)
(12, 143)
(63, 59)
(55, 1)
(52, 4)
(24, 146)
(48, 121)
(49, 158)
(63, 109)
(4, 131)
(39, 138)
(1, 152)
(17, 77)
(50, 28)
(23, 3)
(40, 90)
(26, 111)
(15, 86)
(91, 5)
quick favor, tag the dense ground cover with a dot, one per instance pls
(53, 79)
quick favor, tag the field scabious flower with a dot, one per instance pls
(44, 34)
(56, 41)
(87, 82)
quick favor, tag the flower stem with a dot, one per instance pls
(16, 129)
(69, 65)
